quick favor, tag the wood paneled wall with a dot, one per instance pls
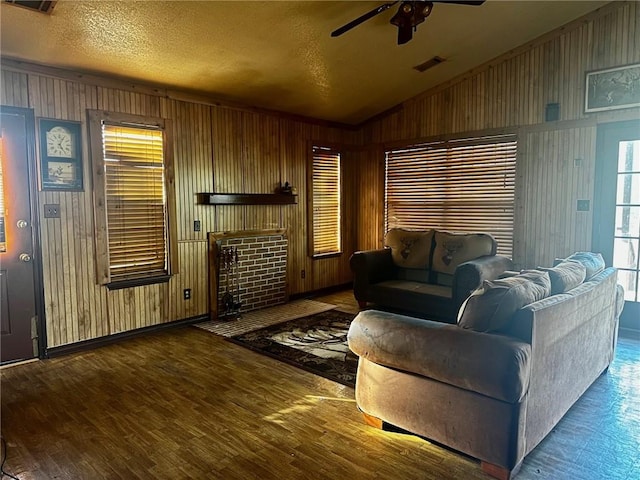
(556, 160)
(227, 149)
(216, 149)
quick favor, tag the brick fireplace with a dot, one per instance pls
(249, 267)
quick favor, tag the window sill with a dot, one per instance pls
(320, 256)
(137, 282)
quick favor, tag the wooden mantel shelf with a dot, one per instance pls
(246, 199)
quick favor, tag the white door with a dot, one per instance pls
(617, 210)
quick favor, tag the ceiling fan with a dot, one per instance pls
(409, 15)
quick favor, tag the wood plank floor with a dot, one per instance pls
(184, 403)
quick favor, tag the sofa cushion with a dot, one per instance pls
(566, 275)
(491, 306)
(409, 249)
(593, 262)
(493, 365)
(452, 249)
(413, 274)
(399, 287)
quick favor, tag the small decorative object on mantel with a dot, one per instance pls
(60, 155)
(288, 189)
(613, 88)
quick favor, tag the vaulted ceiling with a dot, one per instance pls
(277, 55)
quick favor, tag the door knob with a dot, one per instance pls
(25, 257)
(22, 224)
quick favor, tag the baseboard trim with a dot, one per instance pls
(118, 337)
(629, 333)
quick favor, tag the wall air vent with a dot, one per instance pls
(429, 64)
(38, 6)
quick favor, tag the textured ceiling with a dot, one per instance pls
(277, 54)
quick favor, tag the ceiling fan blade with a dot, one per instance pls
(362, 18)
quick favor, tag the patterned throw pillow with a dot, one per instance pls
(409, 249)
(452, 249)
(491, 307)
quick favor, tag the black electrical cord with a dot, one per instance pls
(4, 459)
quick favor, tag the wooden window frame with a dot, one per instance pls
(96, 118)
(475, 201)
(311, 247)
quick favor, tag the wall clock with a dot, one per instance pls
(60, 154)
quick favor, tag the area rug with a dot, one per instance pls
(317, 343)
(264, 317)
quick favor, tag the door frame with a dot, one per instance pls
(608, 136)
(36, 256)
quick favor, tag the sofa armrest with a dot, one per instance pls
(470, 275)
(494, 365)
(369, 267)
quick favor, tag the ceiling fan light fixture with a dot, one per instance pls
(405, 34)
(408, 16)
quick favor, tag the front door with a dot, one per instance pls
(617, 210)
(17, 267)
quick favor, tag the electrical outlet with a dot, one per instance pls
(303, 274)
(52, 210)
(187, 293)
(196, 225)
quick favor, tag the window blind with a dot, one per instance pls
(460, 186)
(326, 201)
(135, 201)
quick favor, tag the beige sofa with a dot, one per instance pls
(425, 273)
(494, 385)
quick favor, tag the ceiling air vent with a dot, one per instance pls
(44, 7)
(429, 64)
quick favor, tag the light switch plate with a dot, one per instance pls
(583, 205)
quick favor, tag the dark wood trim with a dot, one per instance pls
(118, 337)
(246, 199)
(137, 282)
(474, 137)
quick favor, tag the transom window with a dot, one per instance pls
(465, 185)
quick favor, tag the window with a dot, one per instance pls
(325, 205)
(465, 185)
(133, 194)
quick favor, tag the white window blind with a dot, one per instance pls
(326, 194)
(135, 201)
(460, 186)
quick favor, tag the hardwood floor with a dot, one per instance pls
(184, 403)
